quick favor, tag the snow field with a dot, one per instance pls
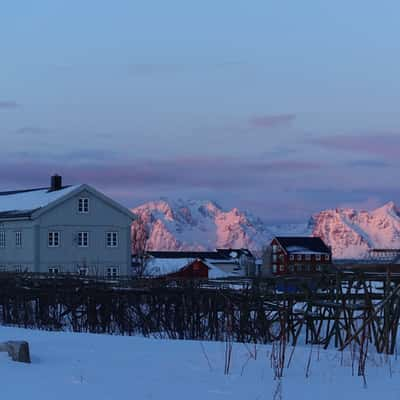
(85, 366)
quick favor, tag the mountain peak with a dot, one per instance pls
(390, 205)
(352, 233)
(204, 225)
(200, 224)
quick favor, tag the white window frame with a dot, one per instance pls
(17, 268)
(112, 272)
(112, 239)
(83, 205)
(327, 257)
(318, 257)
(2, 239)
(51, 239)
(275, 248)
(18, 239)
(83, 271)
(81, 239)
(54, 270)
(281, 268)
(308, 257)
(291, 257)
(299, 257)
(274, 268)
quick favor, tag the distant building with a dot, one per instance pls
(291, 255)
(211, 264)
(64, 229)
(384, 256)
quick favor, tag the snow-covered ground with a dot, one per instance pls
(83, 366)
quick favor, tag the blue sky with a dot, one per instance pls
(282, 108)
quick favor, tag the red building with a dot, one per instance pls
(195, 269)
(293, 255)
(221, 263)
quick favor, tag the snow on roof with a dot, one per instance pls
(30, 200)
(313, 245)
(302, 250)
(165, 266)
(215, 272)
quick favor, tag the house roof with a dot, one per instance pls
(23, 203)
(188, 255)
(30, 203)
(166, 266)
(301, 244)
(219, 254)
(235, 253)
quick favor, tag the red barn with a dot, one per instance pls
(291, 255)
(220, 263)
(195, 269)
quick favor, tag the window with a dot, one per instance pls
(274, 248)
(291, 268)
(299, 257)
(83, 239)
(18, 239)
(274, 269)
(318, 268)
(274, 258)
(83, 205)
(112, 239)
(292, 257)
(2, 239)
(54, 270)
(17, 268)
(326, 255)
(282, 268)
(83, 271)
(112, 272)
(299, 268)
(308, 257)
(318, 257)
(54, 239)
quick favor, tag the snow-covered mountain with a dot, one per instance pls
(203, 225)
(351, 233)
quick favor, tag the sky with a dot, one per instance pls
(279, 108)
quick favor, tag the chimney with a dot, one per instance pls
(56, 183)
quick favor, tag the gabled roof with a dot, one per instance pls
(23, 203)
(167, 266)
(303, 244)
(31, 203)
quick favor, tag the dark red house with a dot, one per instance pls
(295, 255)
(195, 269)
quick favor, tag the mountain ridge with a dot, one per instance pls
(204, 225)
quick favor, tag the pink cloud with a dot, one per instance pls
(387, 146)
(6, 104)
(206, 172)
